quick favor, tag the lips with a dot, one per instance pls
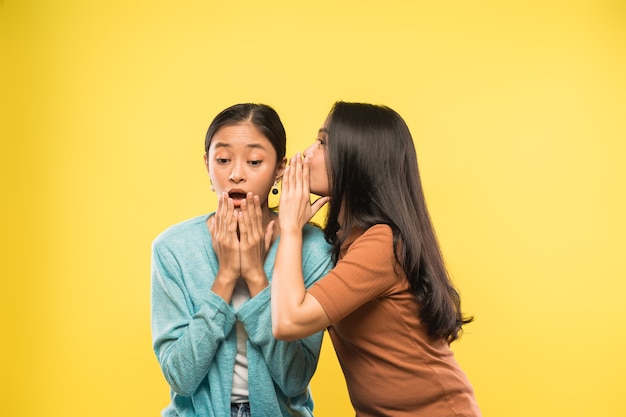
(237, 196)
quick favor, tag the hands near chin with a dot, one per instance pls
(240, 242)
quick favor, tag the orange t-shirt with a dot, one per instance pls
(391, 366)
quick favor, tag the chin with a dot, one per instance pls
(321, 193)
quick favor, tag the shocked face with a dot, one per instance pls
(241, 160)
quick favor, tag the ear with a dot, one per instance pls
(206, 164)
(280, 169)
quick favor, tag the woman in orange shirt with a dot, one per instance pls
(389, 305)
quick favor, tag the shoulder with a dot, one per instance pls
(379, 234)
(314, 245)
(313, 236)
(312, 232)
(380, 231)
(181, 233)
(374, 243)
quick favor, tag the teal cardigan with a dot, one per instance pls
(194, 336)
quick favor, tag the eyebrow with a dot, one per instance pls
(323, 130)
(249, 145)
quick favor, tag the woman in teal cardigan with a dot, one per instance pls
(211, 321)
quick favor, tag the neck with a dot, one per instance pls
(268, 216)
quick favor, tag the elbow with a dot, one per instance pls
(179, 387)
(284, 331)
(181, 391)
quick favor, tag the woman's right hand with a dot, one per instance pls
(296, 209)
(223, 228)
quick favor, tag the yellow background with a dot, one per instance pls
(518, 114)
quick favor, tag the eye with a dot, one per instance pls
(255, 163)
(222, 161)
(322, 141)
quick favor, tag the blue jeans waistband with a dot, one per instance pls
(240, 409)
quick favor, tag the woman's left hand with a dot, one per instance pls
(254, 242)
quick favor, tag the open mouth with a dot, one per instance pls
(237, 196)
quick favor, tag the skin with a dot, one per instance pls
(316, 158)
(296, 313)
(243, 166)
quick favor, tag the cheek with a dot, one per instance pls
(216, 176)
(318, 174)
(319, 168)
(212, 174)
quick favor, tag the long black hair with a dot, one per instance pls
(374, 179)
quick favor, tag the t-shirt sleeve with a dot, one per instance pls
(367, 271)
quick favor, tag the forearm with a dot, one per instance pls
(287, 282)
(257, 284)
(295, 314)
(186, 353)
(224, 285)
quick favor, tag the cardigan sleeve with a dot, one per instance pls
(185, 341)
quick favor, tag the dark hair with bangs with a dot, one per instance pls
(262, 116)
(374, 175)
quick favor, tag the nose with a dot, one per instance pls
(309, 151)
(237, 174)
